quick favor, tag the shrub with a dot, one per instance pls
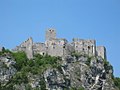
(20, 77)
(88, 61)
(117, 82)
(42, 84)
(21, 59)
(75, 54)
(5, 51)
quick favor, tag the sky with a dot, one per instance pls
(85, 19)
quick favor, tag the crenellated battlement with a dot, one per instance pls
(60, 46)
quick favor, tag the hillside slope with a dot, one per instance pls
(73, 72)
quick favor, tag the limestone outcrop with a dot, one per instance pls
(74, 72)
(7, 69)
(56, 64)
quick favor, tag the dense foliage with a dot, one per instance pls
(4, 51)
(117, 82)
(35, 66)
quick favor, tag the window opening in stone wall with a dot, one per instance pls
(88, 47)
(83, 49)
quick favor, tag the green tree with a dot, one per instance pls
(21, 59)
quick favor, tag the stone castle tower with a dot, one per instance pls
(60, 46)
(50, 34)
(101, 51)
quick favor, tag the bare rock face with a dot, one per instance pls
(74, 73)
(7, 69)
(90, 73)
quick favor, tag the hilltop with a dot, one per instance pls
(44, 72)
(56, 64)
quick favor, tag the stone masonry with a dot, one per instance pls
(60, 46)
(101, 51)
(27, 47)
(0, 49)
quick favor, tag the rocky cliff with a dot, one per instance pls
(73, 72)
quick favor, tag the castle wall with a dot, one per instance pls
(0, 49)
(69, 48)
(85, 46)
(39, 48)
(60, 47)
(27, 47)
(101, 51)
(22, 47)
(56, 47)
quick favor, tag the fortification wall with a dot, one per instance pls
(39, 48)
(56, 47)
(59, 46)
(27, 47)
(101, 51)
(85, 46)
(69, 48)
(0, 49)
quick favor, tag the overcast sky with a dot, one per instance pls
(86, 19)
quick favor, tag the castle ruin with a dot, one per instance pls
(0, 49)
(60, 46)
